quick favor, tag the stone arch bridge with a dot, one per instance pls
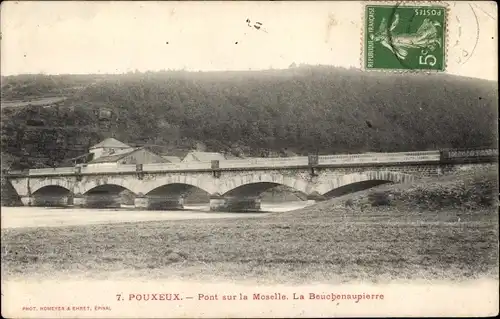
(232, 185)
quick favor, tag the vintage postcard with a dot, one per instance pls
(249, 159)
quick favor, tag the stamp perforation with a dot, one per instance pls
(409, 4)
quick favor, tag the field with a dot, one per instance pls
(348, 239)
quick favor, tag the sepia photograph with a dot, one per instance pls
(246, 159)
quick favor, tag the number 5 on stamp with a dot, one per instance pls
(404, 37)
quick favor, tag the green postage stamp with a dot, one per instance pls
(399, 37)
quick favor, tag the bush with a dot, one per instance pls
(379, 199)
(349, 203)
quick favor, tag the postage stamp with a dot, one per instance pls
(402, 37)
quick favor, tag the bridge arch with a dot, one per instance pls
(265, 179)
(61, 182)
(108, 195)
(106, 187)
(204, 183)
(332, 184)
(129, 183)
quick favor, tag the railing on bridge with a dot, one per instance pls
(376, 158)
(107, 168)
(469, 155)
(264, 162)
(176, 167)
(445, 156)
(15, 172)
(52, 171)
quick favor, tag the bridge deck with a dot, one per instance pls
(343, 160)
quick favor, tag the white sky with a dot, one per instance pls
(116, 37)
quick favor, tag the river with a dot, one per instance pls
(17, 217)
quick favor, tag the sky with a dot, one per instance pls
(118, 37)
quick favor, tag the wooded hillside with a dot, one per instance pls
(306, 109)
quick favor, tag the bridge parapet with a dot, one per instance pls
(111, 168)
(469, 155)
(380, 158)
(265, 162)
(52, 171)
(176, 167)
(23, 172)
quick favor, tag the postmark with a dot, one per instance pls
(400, 37)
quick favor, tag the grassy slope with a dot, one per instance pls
(322, 243)
(466, 193)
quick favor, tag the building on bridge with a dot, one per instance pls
(109, 146)
(171, 159)
(112, 152)
(138, 155)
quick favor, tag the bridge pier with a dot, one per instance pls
(79, 201)
(314, 198)
(234, 204)
(26, 200)
(159, 203)
(141, 202)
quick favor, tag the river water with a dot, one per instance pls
(16, 217)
